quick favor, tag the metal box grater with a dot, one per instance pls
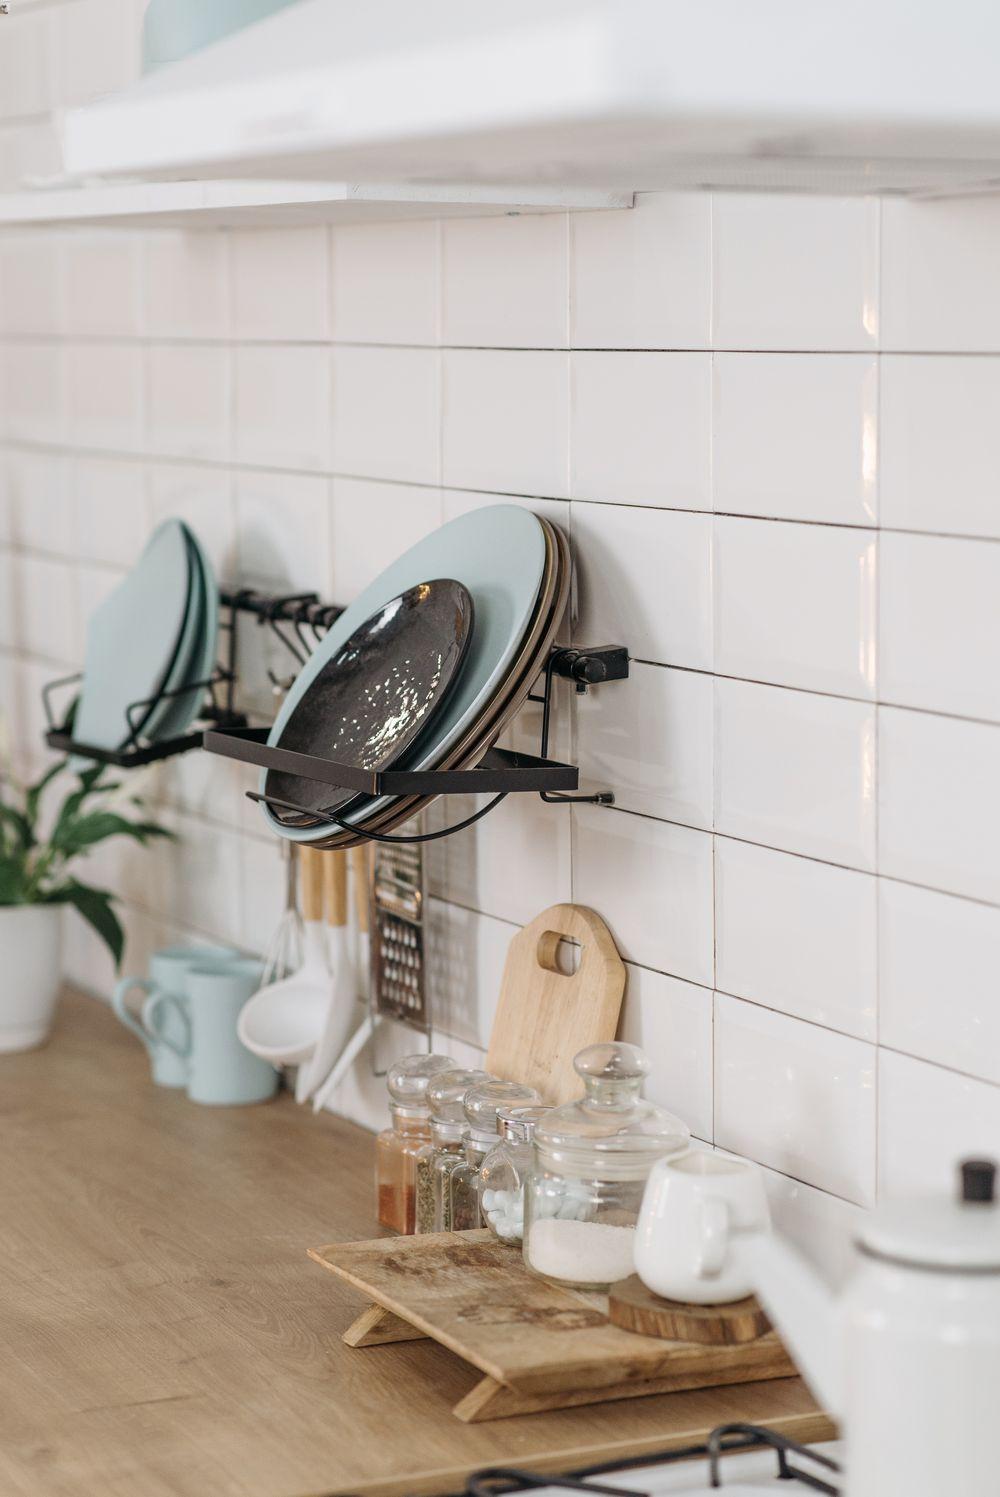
(398, 947)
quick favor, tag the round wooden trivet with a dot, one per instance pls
(634, 1308)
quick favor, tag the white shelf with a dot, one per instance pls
(229, 204)
(621, 95)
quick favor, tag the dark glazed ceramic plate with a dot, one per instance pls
(378, 693)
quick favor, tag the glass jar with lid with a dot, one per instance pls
(436, 1159)
(397, 1146)
(591, 1161)
(482, 1104)
(504, 1170)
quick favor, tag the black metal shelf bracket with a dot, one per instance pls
(224, 730)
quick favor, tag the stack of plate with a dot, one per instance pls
(156, 633)
(443, 649)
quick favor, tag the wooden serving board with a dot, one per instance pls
(538, 1345)
(545, 1016)
(633, 1307)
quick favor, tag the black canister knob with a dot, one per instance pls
(978, 1180)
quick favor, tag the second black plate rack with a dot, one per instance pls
(299, 620)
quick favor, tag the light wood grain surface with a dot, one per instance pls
(163, 1334)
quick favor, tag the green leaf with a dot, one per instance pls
(34, 793)
(95, 907)
(12, 880)
(19, 824)
(85, 831)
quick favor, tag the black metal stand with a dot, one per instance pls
(501, 772)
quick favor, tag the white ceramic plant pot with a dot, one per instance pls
(30, 973)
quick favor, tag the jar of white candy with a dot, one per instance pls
(502, 1172)
(590, 1163)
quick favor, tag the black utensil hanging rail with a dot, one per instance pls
(500, 772)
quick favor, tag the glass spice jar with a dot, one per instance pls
(397, 1146)
(590, 1165)
(448, 1127)
(503, 1172)
(481, 1106)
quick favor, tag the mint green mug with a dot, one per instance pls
(166, 1037)
(221, 1072)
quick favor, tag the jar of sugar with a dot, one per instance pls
(504, 1170)
(590, 1163)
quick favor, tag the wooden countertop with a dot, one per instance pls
(164, 1335)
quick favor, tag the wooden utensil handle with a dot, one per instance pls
(359, 869)
(335, 887)
(311, 883)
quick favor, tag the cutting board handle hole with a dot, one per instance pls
(559, 954)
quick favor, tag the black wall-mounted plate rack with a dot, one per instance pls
(501, 772)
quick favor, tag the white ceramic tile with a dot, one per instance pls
(641, 428)
(43, 605)
(100, 288)
(939, 802)
(92, 585)
(186, 285)
(939, 627)
(466, 952)
(386, 404)
(939, 275)
(281, 284)
(283, 526)
(645, 581)
(282, 406)
(25, 71)
(456, 502)
(29, 285)
(512, 864)
(40, 503)
(372, 523)
(201, 877)
(189, 400)
(649, 740)
(796, 604)
(652, 883)
(795, 771)
(505, 421)
(795, 272)
(34, 385)
(213, 789)
(8, 624)
(939, 444)
(504, 282)
(796, 1098)
(105, 395)
(821, 1226)
(795, 436)
(112, 513)
(796, 936)
(203, 498)
(929, 1120)
(938, 960)
(672, 1022)
(262, 889)
(97, 49)
(385, 283)
(641, 278)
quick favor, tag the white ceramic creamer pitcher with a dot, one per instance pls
(908, 1358)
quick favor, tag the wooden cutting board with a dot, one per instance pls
(539, 1346)
(545, 1016)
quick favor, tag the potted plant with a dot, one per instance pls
(38, 877)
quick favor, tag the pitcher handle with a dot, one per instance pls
(714, 1237)
(124, 1014)
(151, 1008)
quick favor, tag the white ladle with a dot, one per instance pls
(341, 1014)
(282, 1023)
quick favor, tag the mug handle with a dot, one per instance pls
(151, 1008)
(714, 1237)
(118, 997)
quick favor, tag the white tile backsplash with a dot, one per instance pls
(641, 429)
(797, 936)
(314, 400)
(795, 436)
(795, 771)
(796, 1097)
(795, 605)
